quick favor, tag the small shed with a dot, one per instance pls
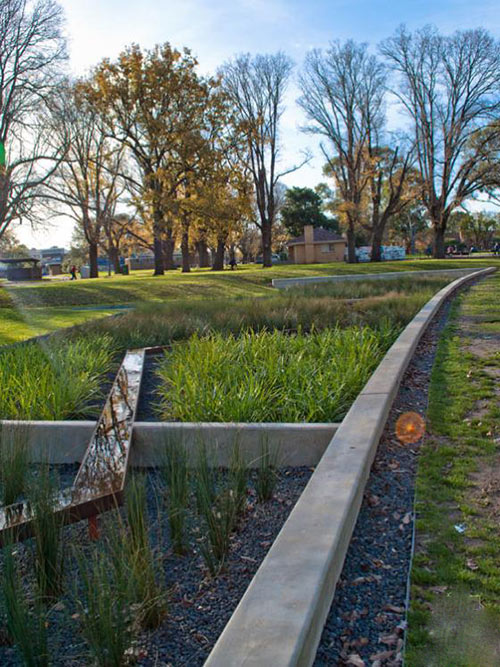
(21, 268)
(316, 246)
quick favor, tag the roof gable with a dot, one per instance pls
(320, 235)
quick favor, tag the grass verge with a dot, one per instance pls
(455, 609)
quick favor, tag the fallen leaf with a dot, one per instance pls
(439, 589)
(389, 640)
(471, 564)
(384, 655)
(407, 518)
(355, 659)
(394, 609)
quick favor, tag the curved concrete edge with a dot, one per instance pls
(59, 442)
(280, 618)
(283, 283)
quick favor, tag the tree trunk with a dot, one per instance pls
(351, 245)
(114, 258)
(93, 251)
(266, 244)
(439, 231)
(168, 253)
(158, 253)
(412, 241)
(186, 268)
(203, 256)
(218, 263)
(376, 242)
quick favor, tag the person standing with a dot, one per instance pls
(73, 272)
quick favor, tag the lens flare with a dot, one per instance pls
(410, 427)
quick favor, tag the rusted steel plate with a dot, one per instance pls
(100, 480)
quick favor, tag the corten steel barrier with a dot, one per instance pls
(100, 481)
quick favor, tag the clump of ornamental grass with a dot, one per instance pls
(14, 462)
(267, 471)
(238, 478)
(106, 612)
(316, 307)
(47, 525)
(55, 378)
(220, 500)
(140, 559)
(26, 621)
(363, 289)
(270, 376)
(176, 476)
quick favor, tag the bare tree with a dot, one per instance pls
(256, 86)
(450, 88)
(391, 190)
(31, 51)
(343, 96)
(87, 182)
(115, 231)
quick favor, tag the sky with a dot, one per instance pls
(215, 30)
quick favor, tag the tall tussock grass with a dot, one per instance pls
(139, 557)
(26, 621)
(106, 613)
(363, 289)
(176, 477)
(47, 526)
(270, 376)
(220, 499)
(14, 462)
(53, 379)
(312, 308)
(267, 471)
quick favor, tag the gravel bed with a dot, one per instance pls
(199, 606)
(367, 619)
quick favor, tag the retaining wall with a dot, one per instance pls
(282, 283)
(66, 441)
(280, 618)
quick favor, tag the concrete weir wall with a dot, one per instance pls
(279, 620)
(66, 441)
(283, 283)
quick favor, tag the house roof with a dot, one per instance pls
(18, 260)
(320, 235)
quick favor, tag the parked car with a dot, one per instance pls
(275, 258)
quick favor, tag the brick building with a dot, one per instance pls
(316, 246)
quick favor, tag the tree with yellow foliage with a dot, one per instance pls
(151, 102)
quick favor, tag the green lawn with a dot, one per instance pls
(455, 609)
(17, 325)
(19, 317)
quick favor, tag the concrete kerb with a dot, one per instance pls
(280, 618)
(283, 283)
(66, 441)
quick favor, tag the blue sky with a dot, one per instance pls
(217, 29)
